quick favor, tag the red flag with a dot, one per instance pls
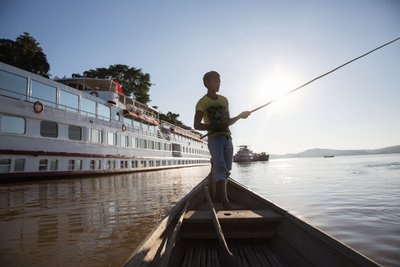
(119, 88)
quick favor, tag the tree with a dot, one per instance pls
(133, 81)
(25, 53)
(173, 118)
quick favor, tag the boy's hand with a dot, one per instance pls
(245, 114)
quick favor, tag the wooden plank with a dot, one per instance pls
(233, 216)
(217, 226)
(259, 255)
(275, 260)
(238, 254)
(172, 240)
(188, 256)
(249, 233)
(208, 253)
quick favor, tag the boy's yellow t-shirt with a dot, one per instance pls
(216, 113)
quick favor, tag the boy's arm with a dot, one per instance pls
(198, 125)
(242, 115)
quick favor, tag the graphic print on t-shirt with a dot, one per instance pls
(218, 117)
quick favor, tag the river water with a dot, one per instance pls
(98, 221)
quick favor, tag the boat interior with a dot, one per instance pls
(253, 232)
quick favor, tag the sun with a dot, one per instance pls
(274, 86)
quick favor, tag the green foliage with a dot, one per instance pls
(133, 81)
(173, 118)
(25, 53)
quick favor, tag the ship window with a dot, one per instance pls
(128, 121)
(112, 139)
(103, 112)
(124, 164)
(19, 165)
(71, 165)
(88, 107)
(75, 133)
(48, 129)
(96, 136)
(134, 164)
(53, 165)
(137, 142)
(79, 164)
(95, 164)
(44, 92)
(43, 164)
(124, 140)
(68, 101)
(74, 164)
(13, 125)
(13, 85)
(5, 165)
(92, 164)
(143, 143)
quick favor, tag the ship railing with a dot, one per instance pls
(186, 133)
(73, 113)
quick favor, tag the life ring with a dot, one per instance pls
(94, 94)
(123, 127)
(38, 107)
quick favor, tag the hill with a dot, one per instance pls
(320, 152)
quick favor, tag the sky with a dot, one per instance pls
(262, 49)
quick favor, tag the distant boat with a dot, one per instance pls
(260, 156)
(329, 156)
(243, 155)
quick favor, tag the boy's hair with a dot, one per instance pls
(209, 75)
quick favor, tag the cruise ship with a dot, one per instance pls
(81, 126)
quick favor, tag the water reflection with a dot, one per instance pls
(356, 199)
(95, 221)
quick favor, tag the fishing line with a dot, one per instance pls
(327, 73)
(319, 77)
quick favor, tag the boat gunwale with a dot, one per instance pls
(145, 245)
(317, 233)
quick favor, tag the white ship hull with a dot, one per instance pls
(60, 136)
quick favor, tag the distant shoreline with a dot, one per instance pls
(321, 152)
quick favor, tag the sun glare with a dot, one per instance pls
(274, 86)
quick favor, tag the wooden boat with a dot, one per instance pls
(255, 231)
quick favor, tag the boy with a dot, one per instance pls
(214, 110)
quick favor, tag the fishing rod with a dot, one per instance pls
(317, 78)
(327, 73)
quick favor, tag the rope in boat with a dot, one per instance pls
(319, 77)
